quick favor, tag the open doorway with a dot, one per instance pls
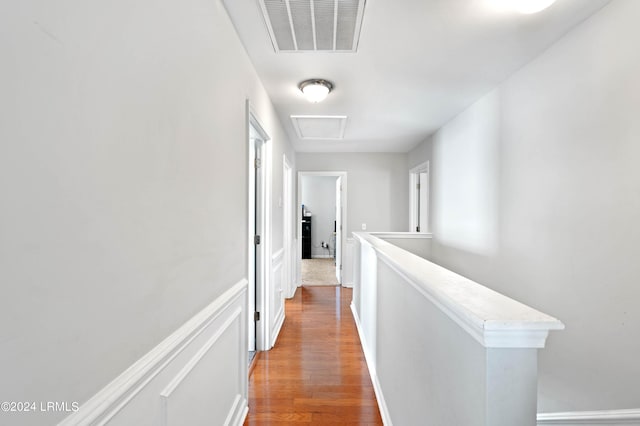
(419, 198)
(322, 213)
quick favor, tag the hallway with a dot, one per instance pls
(316, 373)
(319, 272)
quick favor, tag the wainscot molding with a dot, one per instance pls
(238, 412)
(347, 264)
(160, 385)
(279, 321)
(276, 308)
(382, 405)
(278, 256)
(592, 418)
(294, 287)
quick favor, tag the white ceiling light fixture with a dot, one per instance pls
(316, 89)
(526, 7)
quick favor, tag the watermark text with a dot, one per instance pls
(39, 406)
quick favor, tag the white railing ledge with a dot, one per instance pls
(603, 417)
(493, 319)
(407, 235)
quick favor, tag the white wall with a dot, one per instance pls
(419, 154)
(418, 244)
(536, 194)
(123, 169)
(377, 187)
(319, 197)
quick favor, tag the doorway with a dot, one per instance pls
(258, 234)
(322, 216)
(419, 198)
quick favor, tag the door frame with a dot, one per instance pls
(287, 226)
(338, 247)
(258, 287)
(343, 242)
(414, 201)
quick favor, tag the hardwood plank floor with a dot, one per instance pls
(316, 374)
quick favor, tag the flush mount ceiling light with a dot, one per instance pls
(315, 90)
(526, 7)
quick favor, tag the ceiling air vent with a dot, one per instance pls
(313, 25)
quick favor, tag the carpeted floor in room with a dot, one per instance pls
(319, 272)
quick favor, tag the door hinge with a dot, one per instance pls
(417, 229)
(256, 316)
(256, 239)
(256, 163)
(341, 266)
(417, 186)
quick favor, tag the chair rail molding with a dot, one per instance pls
(158, 389)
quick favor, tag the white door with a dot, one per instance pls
(255, 223)
(338, 242)
(423, 198)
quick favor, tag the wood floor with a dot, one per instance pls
(316, 373)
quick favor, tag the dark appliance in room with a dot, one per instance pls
(306, 237)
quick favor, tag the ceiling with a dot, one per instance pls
(419, 63)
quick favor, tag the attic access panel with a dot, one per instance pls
(313, 25)
(319, 127)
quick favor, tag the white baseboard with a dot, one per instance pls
(279, 320)
(293, 291)
(238, 413)
(321, 256)
(165, 386)
(382, 405)
(592, 418)
(276, 308)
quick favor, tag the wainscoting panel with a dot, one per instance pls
(196, 376)
(291, 285)
(347, 265)
(276, 301)
(188, 397)
(382, 404)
